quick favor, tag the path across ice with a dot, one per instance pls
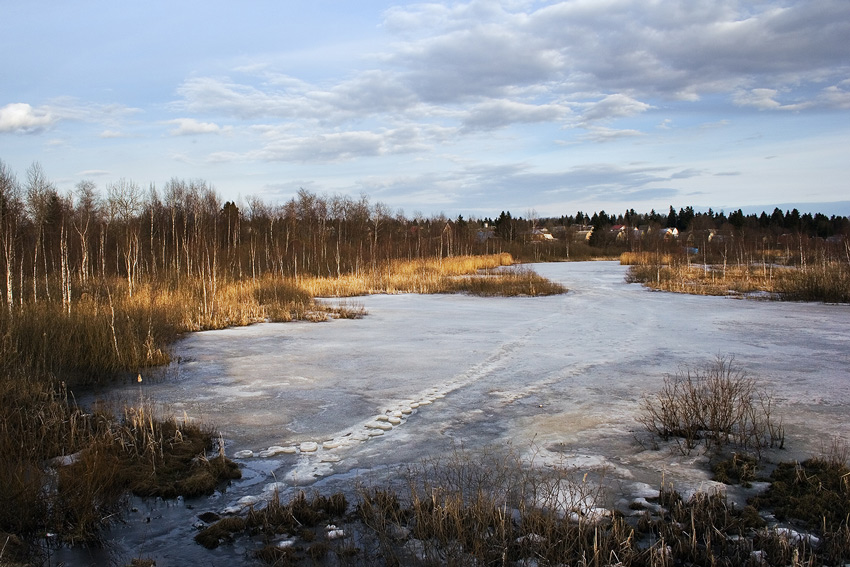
(399, 411)
(316, 459)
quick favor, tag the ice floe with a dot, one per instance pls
(334, 532)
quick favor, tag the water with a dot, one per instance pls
(560, 378)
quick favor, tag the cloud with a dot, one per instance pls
(482, 61)
(614, 106)
(327, 147)
(460, 69)
(517, 184)
(493, 114)
(20, 117)
(190, 126)
(836, 96)
(341, 146)
(669, 49)
(602, 134)
(208, 94)
(764, 99)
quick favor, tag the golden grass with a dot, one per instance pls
(48, 346)
(477, 275)
(643, 258)
(697, 280)
(817, 281)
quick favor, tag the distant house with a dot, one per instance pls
(583, 235)
(539, 235)
(622, 232)
(719, 237)
(485, 234)
(668, 233)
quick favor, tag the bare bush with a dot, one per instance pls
(716, 405)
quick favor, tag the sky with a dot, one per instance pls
(458, 108)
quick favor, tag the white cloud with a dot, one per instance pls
(612, 107)
(603, 134)
(664, 48)
(836, 97)
(22, 118)
(340, 146)
(765, 99)
(190, 126)
(463, 68)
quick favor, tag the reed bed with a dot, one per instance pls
(644, 258)
(108, 330)
(826, 281)
(476, 275)
(66, 471)
(86, 461)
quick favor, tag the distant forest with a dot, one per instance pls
(52, 243)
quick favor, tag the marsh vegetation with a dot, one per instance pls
(496, 508)
(97, 288)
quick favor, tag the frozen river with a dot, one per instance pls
(561, 377)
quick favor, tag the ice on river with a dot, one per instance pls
(423, 372)
(559, 377)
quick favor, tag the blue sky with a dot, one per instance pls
(464, 108)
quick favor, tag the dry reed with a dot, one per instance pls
(824, 281)
(496, 509)
(477, 275)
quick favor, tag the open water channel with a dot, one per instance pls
(559, 378)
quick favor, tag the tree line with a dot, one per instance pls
(54, 244)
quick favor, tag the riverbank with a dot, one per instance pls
(66, 469)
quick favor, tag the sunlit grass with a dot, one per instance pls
(477, 275)
(824, 281)
(50, 346)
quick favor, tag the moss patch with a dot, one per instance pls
(740, 469)
(814, 493)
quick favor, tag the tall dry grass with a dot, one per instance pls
(107, 330)
(66, 471)
(824, 281)
(477, 275)
(828, 282)
(47, 347)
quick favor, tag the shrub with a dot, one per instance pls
(717, 405)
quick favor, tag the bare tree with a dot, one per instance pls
(10, 212)
(86, 211)
(39, 196)
(124, 199)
